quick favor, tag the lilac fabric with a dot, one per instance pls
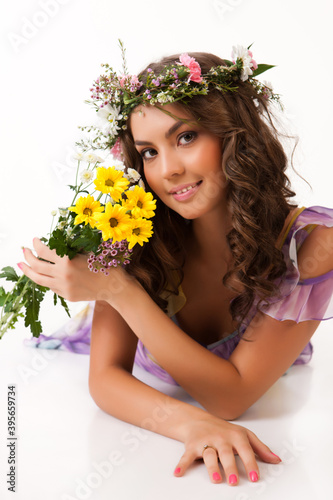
(299, 300)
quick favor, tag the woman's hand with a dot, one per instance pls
(224, 440)
(71, 279)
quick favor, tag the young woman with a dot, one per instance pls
(235, 280)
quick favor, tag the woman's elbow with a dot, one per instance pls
(228, 410)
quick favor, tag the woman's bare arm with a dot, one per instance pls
(119, 393)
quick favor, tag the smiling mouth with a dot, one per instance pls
(187, 188)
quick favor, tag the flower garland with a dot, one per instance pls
(114, 96)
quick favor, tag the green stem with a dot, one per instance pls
(77, 172)
(16, 307)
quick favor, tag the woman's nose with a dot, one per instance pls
(172, 165)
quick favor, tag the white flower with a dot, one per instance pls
(92, 158)
(63, 212)
(268, 87)
(61, 225)
(78, 156)
(242, 53)
(133, 175)
(142, 184)
(162, 97)
(112, 162)
(86, 175)
(108, 119)
(54, 213)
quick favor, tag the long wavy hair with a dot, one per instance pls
(258, 192)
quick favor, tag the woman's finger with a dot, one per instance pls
(210, 457)
(39, 279)
(37, 265)
(44, 251)
(184, 463)
(261, 449)
(228, 461)
(248, 458)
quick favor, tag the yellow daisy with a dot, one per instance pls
(142, 229)
(86, 208)
(111, 181)
(140, 203)
(114, 223)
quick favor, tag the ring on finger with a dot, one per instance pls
(208, 446)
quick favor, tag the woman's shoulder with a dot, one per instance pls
(310, 236)
(306, 289)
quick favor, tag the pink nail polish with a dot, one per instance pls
(177, 470)
(216, 476)
(232, 479)
(276, 456)
(253, 476)
(19, 265)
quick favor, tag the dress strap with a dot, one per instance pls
(294, 217)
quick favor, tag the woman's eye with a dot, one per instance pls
(148, 154)
(187, 137)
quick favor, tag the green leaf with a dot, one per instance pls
(32, 311)
(262, 68)
(64, 305)
(3, 296)
(87, 241)
(55, 299)
(9, 274)
(58, 242)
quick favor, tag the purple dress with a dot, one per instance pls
(300, 300)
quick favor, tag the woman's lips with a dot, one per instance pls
(184, 193)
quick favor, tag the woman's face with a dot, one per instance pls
(182, 161)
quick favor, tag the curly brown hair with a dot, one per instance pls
(254, 163)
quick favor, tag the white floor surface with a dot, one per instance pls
(68, 449)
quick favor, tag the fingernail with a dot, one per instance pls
(19, 265)
(177, 470)
(253, 476)
(233, 479)
(216, 476)
(276, 456)
(23, 249)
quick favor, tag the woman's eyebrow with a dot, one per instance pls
(171, 131)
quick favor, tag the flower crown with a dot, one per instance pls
(114, 96)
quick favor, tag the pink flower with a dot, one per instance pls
(193, 66)
(122, 80)
(135, 81)
(116, 150)
(254, 64)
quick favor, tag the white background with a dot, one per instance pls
(51, 53)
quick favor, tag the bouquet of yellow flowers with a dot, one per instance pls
(105, 227)
(108, 215)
